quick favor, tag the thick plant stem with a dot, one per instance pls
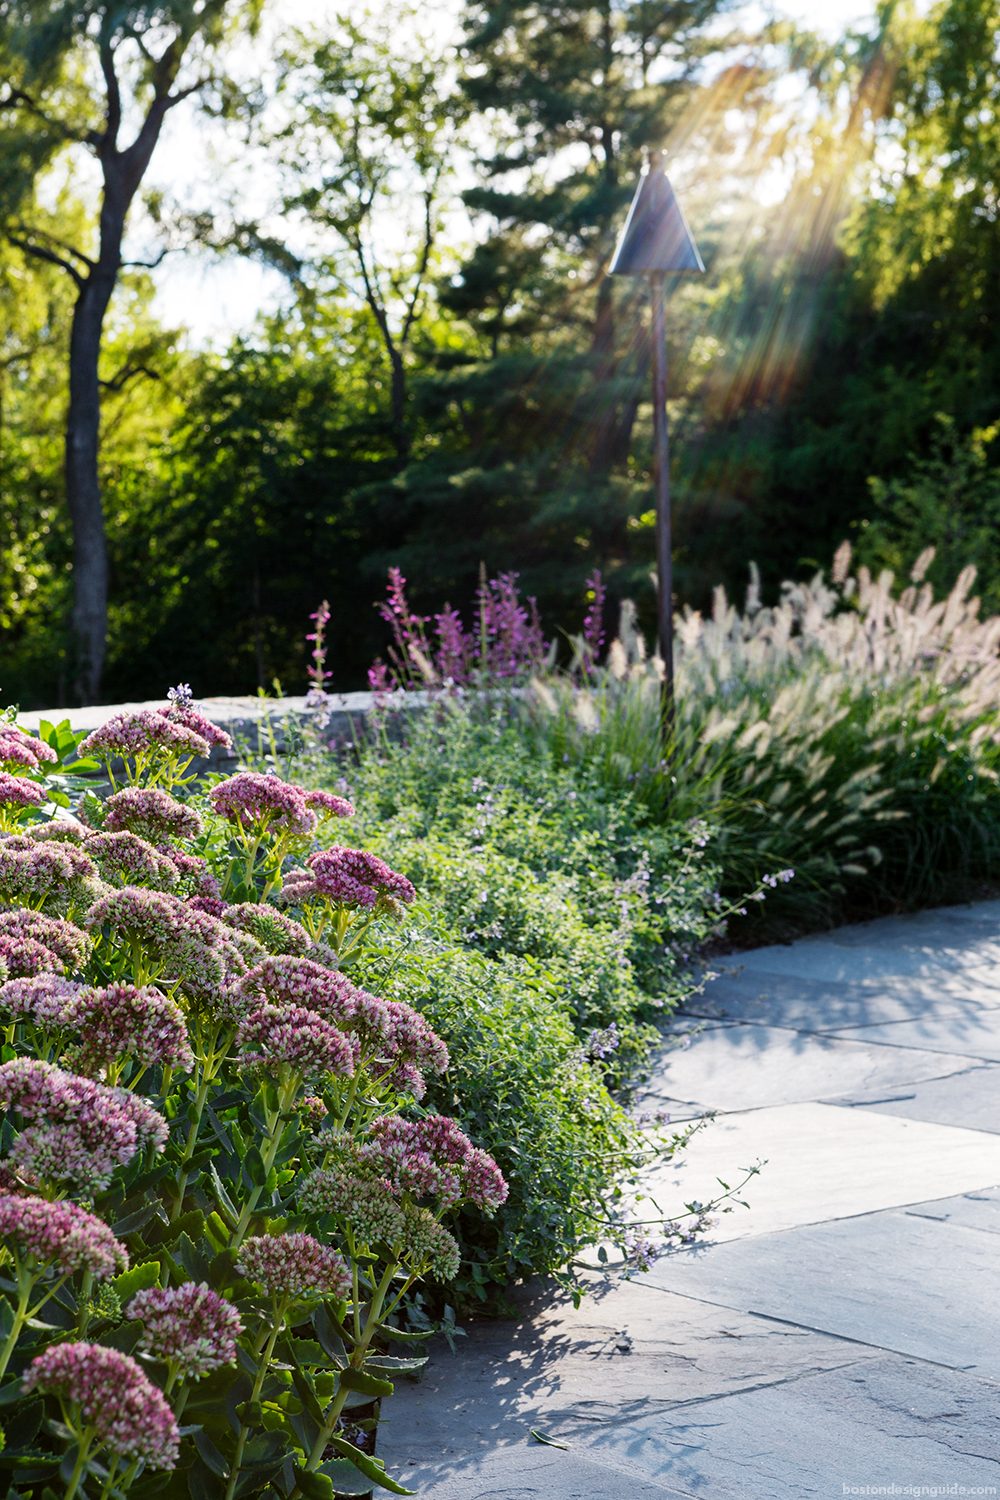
(83, 1453)
(357, 1360)
(20, 1315)
(265, 1360)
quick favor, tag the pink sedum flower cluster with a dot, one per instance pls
(391, 1039)
(195, 876)
(75, 1130)
(350, 877)
(434, 1158)
(18, 749)
(40, 1000)
(37, 867)
(189, 1327)
(274, 930)
(329, 805)
(61, 1235)
(151, 813)
(367, 1205)
(127, 1413)
(189, 718)
(132, 736)
(15, 791)
(254, 802)
(66, 942)
(194, 949)
(294, 1265)
(281, 1036)
(123, 1020)
(125, 859)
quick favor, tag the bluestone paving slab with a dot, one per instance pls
(897, 1281)
(568, 1369)
(964, 1033)
(822, 1163)
(972, 1210)
(970, 1099)
(883, 1424)
(818, 1005)
(847, 964)
(736, 1067)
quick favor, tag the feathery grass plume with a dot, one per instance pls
(848, 732)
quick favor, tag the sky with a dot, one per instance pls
(212, 298)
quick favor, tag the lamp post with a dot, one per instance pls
(656, 239)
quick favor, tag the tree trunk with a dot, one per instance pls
(400, 431)
(83, 489)
(123, 173)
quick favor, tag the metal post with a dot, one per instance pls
(661, 464)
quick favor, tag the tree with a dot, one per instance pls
(373, 131)
(49, 53)
(577, 91)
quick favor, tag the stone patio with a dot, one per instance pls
(842, 1335)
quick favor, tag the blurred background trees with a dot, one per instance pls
(451, 379)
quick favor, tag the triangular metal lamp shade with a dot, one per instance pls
(656, 236)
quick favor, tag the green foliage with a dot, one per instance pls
(950, 503)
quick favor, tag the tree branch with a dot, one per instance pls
(125, 374)
(40, 253)
(18, 99)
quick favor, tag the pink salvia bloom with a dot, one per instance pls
(432, 1157)
(189, 1327)
(129, 735)
(286, 1036)
(329, 804)
(378, 680)
(62, 938)
(252, 801)
(272, 929)
(190, 718)
(126, 859)
(151, 813)
(40, 1000)
(353, 877)
(593, 627)
(76, 1130)
(61, 1235)
(121, 1021)
(15, 791)
(126, 1411)
(294, 1265)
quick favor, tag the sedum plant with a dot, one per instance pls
(218, 1186)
